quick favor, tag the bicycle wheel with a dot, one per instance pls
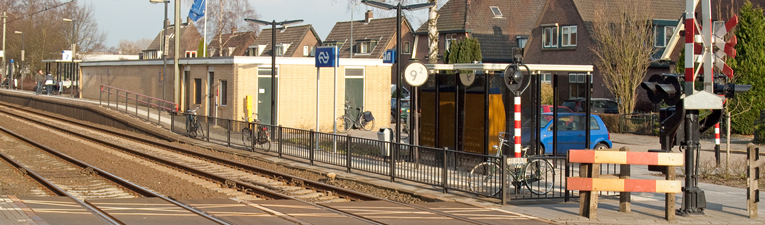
(539, 176)
(264, 142)
(200, 132)
(191, 130)
(343, 124)
(247, 138)
(366, 125)
(485, 179)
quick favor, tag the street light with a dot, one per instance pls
(21, 71)
(398, 9)
(162, 44)
(273, 25)
(73, 69)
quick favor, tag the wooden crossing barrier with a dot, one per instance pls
(590, 181)
(753, 164)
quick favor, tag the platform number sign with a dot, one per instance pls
(467, 79)
(416, 74)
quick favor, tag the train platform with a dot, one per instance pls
(726, 205)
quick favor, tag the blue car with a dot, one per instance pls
(571, 133)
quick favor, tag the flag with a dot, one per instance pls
(197, 10)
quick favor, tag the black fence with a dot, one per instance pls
(440, 167)
(639, 123)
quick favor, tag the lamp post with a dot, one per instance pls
(273, 25)
(398, 9)
(162, 44)
(21, 66)
(75, 80)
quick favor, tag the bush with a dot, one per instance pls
(611, 121)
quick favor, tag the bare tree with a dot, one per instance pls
(226, 17)
(623, 47)
(433, 33)
(127, 47)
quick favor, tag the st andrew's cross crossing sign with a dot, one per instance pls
(326, 56)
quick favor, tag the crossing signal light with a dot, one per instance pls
(665, 87)
(730, 90)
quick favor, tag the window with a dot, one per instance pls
(191, 54)
(407, 47)
(495, 11)
(252, 51)
(521, 40)
(668, 32)
(449, 39)
(365, 46)
(546, 77)
(223, 93)
(266, 71)
(576, 84)
(306, 51)
(550, 37)
(197, 91)
(279, 49)
(569, 36)
(313, 51)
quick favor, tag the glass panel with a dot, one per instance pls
(572, 30)
(565, 38)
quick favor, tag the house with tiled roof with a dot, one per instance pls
(189, 43)
(291, 41)
(372, 37)
(564, 35)
(233, 44)
(499, 25)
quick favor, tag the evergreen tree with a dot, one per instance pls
(201, 49)
(466, 50)
(749, 67)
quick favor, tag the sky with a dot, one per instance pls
(137, 19)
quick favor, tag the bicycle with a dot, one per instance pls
(365, 121)
(538, 175)
(263, 139)
(193, 126)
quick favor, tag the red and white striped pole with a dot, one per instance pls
(717, 143)
(517, 133)
(690, 33)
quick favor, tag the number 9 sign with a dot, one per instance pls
(416, 74)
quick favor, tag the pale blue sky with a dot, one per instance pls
(136, 19)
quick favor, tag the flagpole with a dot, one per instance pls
(204, 38)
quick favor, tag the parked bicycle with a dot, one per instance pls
(365, 120)
(193, 126)
(537, 174)
(261, 136)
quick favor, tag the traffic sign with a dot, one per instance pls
(416, 74)
(725, 48)
(326, 56)
(389, 56)
(467, 79)
(66, 55)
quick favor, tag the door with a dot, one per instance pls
(187, 88)
(264, 94)
(570, 134)
(354, 90)
(211, 94)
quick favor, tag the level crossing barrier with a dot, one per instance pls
(590, 180)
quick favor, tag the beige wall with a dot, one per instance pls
(297, 89)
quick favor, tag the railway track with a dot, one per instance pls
(251, 183)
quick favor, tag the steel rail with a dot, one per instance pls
(125, 183)
(244, 187)
(101, 214)
(346, 193)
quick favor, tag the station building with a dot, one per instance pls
(220, 86)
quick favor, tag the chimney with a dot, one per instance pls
(368, 16)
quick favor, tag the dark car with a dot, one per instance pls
(597, 105)
(404, 112)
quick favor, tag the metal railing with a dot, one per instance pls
(440, 167)
(129, 97)
(639, 123)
